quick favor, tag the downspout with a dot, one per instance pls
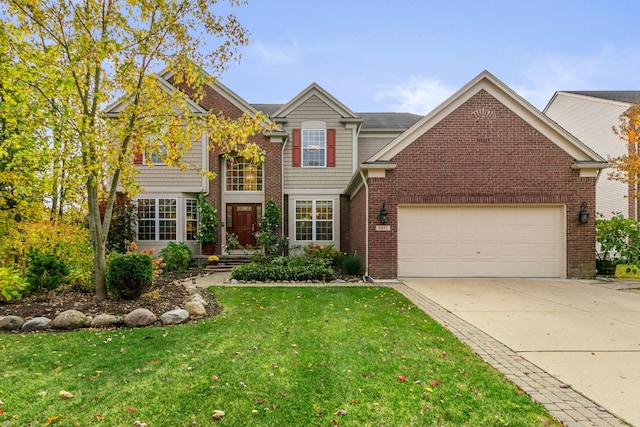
(366, 221)
(284, 144)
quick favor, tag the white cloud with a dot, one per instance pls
(418, 95)
(607, 69)
(275, 54)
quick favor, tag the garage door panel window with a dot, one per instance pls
(314, 220)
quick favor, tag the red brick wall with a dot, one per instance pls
(213, 101)
(482, 153)
(357, 225)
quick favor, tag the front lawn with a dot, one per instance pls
(281, 356)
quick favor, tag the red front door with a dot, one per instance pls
(242, 220)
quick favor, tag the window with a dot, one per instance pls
(157, 219)
(314, 147)
(191, 219)
(157, 157)
(146, 219)
(242, 175)
(314, 220)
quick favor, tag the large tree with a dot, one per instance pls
(93, 53)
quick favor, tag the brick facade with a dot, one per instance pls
(482, 153)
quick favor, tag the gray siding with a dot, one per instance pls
(300, 178)
(173, 179)
(369, 144)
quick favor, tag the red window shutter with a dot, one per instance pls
(296, 148)
(331, 148)
(137, 158)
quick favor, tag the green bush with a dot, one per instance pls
(314, 250)
(349, 264)
(284, 269)
(45, 271)
(129, 275)
(176, 256)
(12, 285)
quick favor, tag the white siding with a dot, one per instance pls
(591, 121)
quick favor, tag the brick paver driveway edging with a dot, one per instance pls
(565, 404)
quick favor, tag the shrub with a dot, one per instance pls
(122, 230)
(284, 269)
(314, 250)
(177, 256)
(46, 271)
(618, 238)
(12, 285)
(349, 264)
(268, 238)
(70, 241)
(208, 217)
(129, 275)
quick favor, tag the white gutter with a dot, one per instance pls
(366, 221)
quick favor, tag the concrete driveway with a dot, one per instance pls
(584, 333)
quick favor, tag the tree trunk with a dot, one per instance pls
(100, 271)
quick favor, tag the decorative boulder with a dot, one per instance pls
(104, 321)
(174, 317)
(10, 323)
(198, 298)
(195, 309)
(36, 324)
(140, 317)
(70, 319)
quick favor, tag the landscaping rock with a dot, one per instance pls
(175, 317)
(140, 317)
(105, 321)
(198, 298)
(36, 324)
(11, 323)
(195, 309)
(70, 319)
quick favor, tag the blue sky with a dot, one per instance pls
(410, 55)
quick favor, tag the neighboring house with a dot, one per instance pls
(591, 117)
(484, 185)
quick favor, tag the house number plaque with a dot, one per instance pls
(383, 228)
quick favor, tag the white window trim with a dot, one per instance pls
(187, 220)
(258, 166)
(314, 230)
(157, 220)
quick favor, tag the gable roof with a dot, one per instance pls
(117, 107)
(388, 121)
(626, 96)
(486, 81)
(314, 90)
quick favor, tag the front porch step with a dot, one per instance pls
(226, 262)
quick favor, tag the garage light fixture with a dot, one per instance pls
(583, 213)
(384, 215)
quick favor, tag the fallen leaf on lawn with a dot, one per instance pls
(434, 383)
(214, 378)
(52, 419)
(217, 415)
(341, 412)
(100, 417)
(42, 394)
(66, 394)
(294, 345)
(131, 409)
(1, 412)
(402, 378)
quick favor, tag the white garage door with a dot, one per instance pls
(481, 241)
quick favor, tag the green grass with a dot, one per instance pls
(276, 357)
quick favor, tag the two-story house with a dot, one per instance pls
(484, 185)
(591, 117)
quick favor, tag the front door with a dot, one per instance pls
(242, 220)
